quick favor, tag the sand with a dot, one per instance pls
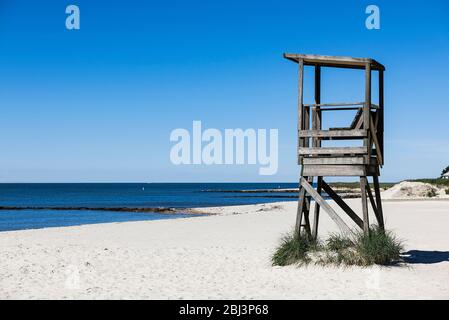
(224, 256)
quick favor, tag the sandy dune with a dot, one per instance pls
(221, 256)
(415, 190)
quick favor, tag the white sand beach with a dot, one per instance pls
(224, 256)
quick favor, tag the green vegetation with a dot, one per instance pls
(431, 193)
(438, 182)
(379, 247)
(293, 249)
(445, 170)
(353, 185)
(447, 191)
(337, 242)
(435, 182)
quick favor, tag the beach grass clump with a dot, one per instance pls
(446, 191)
(337, 242)
(294, 249)
(378, 247)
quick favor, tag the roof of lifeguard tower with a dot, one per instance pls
(334, 61)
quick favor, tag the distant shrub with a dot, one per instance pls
(445, 170)
(431, 193)
(447, 191)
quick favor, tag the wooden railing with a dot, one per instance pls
(358, 130)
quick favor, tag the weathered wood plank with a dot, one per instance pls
(333, 215)
(307, 210)
(371, 199)
(376, 142)
(363, 183)
(333, 160)
(324, 58)
(300, 104)
(338, 200)
(335, 104)
(301, 201)
(356, 118)
(332, 133)
(300, 210)
(380, 220)
(316, 115)
(366, 109)
(340, 109)
(334, 61)
(316, 213)
(306, 126)
(359, 123)
(372, 170)
(339, 160)
(334, 170)
(334, 150)
(380, 126)
(340, 104)
(316, 142)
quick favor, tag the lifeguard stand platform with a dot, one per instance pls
(361, 161)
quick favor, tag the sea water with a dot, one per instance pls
(119, 195)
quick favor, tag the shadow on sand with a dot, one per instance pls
(425, 257)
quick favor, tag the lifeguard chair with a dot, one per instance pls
(362, 161)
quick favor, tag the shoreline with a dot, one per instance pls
(187, 213)
(224, 255)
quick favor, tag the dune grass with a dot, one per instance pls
(337, 242)
(294, 249)
(379, 247)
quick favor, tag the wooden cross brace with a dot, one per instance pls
(307, 192)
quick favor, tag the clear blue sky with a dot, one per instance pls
(99, 103)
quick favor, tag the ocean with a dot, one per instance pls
(42, 205)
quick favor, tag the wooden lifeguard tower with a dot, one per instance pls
(361, 161)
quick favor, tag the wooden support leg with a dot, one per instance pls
(307, 211)
(316, 213)
(379, 202)
(370, 196)
(302, 213)
(374, 206)
(300, 210)
(363, 183)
